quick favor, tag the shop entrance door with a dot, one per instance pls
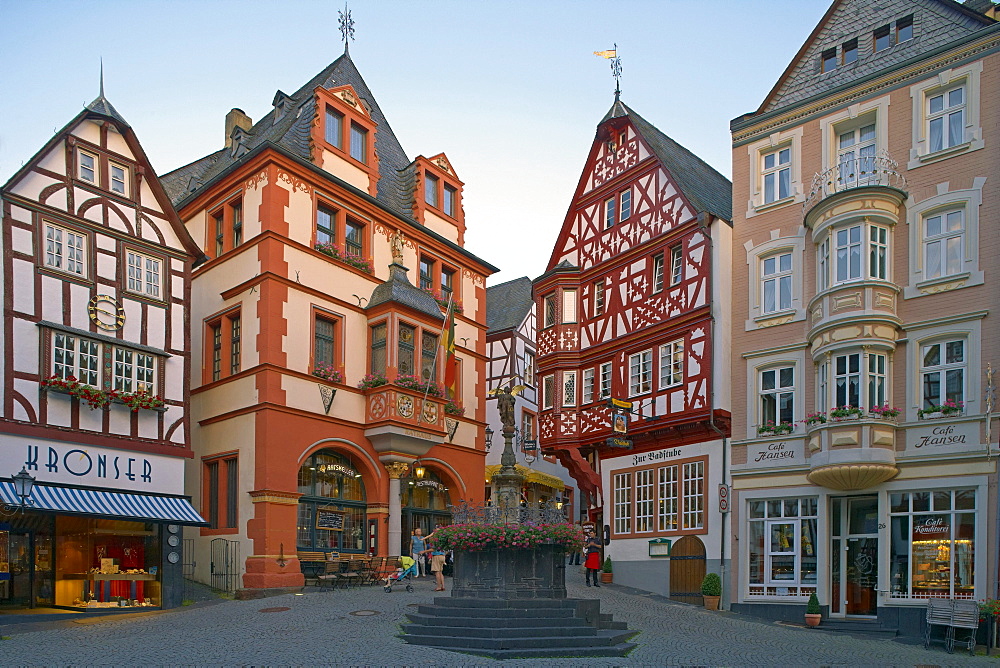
(16, 592)
(854, 550)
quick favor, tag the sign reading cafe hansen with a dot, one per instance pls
(775, 453)
(75, 464)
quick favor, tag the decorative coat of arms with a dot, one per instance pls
(404, 405)
(430, 413)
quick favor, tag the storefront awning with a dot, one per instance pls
(119, 505)
(531, 476)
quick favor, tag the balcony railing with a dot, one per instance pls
(863, 172)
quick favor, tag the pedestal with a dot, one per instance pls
(538, 573)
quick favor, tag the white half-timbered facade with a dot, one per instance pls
(95, 366)
(633, 396)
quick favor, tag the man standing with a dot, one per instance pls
(417, 546)
(592, 547)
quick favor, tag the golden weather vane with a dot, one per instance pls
(616, 66)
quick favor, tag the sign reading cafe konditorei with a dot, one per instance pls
(779, 453)
(935, 436)
(76, 464)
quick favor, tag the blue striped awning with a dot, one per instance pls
(120, 505)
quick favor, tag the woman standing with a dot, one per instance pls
(592, 547)
(417, 547)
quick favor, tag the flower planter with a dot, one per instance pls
(607, 578)
(813, 620)
(846, 418)
(711, 602)
(538, 572)
(939, 415)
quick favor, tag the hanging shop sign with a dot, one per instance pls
(77, 464)
(619, 422)
(618, 442)
(618, 403)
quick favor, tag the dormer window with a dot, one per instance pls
(88, 167)
(431, 189)
(359, 143)
(904, 29)
(829, 60)
(333, 130)
(850, 51)
(881, 36)
(118, 179)
(450, 197)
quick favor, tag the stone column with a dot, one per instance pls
(396, 471)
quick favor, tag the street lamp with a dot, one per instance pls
(489, 438)
(23, 482)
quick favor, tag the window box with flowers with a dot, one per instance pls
(372, 380)
(885, 412)
(451, 408)
(814, 419)
(841, 413)
(338, 253)
(443, 301)
(769, 428)
(97, 398)
(429, 388)
(328, 373)
(947, 409)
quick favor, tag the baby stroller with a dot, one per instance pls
(406, 575)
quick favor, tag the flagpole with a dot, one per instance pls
(444, 324)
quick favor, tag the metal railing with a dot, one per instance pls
(862, 172)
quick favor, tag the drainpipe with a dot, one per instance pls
(704, 220)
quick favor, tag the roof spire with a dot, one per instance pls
(346, 26)
(616, 67)
(102, 76)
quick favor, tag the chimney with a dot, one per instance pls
(236, 119)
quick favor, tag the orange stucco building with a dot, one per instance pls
(316, 331)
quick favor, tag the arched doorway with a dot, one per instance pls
(331, 485)
(425, 505)
(687, 570)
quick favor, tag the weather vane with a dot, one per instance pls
(616, 67)
(346, 26)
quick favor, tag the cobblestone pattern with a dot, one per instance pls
(320, 629)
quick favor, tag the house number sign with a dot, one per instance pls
(106, 312)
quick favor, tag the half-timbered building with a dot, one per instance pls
(320, 422)
(510, 352)
(93, 404)
(864, 324)
(632, 311)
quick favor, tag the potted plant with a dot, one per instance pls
(885, 412)
(769, 428)
(846, 413)
(711, 590)
(950, 407)
(813, 612)
(815, 418)
(606, 569)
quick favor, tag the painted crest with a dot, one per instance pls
(404, 405)
(430, 413)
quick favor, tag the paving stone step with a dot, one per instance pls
(543, 613)
(435, 629)
(497, 622)
(598, 639)
(621, 649)
(512, 604)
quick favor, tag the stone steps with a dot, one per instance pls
(497, 622)
(566, 644)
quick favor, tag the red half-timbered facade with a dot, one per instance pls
(629, 310)
(95, 365)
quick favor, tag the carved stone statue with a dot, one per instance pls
(396, 246)
(505, 404)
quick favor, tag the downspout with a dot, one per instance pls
(704, 220)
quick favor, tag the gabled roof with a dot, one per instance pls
(935, 24)
(707, 190)
(508, 304)
(291, 130)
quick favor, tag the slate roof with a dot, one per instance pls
(936, 23)
(706, 189)
(289, 129)
(399, 289)
(102, 106)
(508, 304)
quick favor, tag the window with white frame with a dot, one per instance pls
(87, 163)
(777, 395)
(676, 265)
(933, 544)
(623, 503)
(776, 174)
(65, 250)
(529, 368)
(946, 119)
(133, 371)
(605, 380)
(76, 357)
(569, 388)
(568, 306)
(599, 298)
(943, 235)
(781, 547)
(119, 179)
(856, 155)
(667, 499)
(942, 373)
(859, 380)
(672, 363)
(854, 247)
(144, 274)
(640, 372)
(527, 425)
(822, 387)
(588, 386)
(776, 283)
(609, 213)
(694, 495)
(644, 500)
(657, 272)
(625, 200)
(548, 391)
(877, 383)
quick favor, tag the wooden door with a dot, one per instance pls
(687, 570)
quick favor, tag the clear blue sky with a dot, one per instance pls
(509, 90)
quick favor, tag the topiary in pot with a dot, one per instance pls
(711, 590)
(606, 570)
(813, 611)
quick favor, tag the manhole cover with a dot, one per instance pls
(363, 613)
(413, 605)
(280, 609)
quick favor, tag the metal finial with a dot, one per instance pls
(102, 76)
(616, 71)
(346, 26)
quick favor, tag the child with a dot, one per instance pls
(402, 566)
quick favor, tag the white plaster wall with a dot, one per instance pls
(23, 276)
(224, 400)
(446, 228)
(177, 325)
(299, 214)
(25, 343)
(173, 387)
(55, 160)
(117, 144)
(91, 420)
(21, 241)
(32, 184)
(29, 390)
(107, 243)
(345, 170)
(120, 418)
(132, 330)
(156, 324)
(20, 214)
(59, 407)
(88, 130)
(79, 297)
(148, 424)
(196, 227)
(251, 213)
(51, 299)
(106, 266)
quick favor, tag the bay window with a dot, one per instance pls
(569, 388)
(676, 265)
(781, 547)
(548, 391)
(76, 357)
(661, 499)
(853, 247)
(588, 386)
(133, 371)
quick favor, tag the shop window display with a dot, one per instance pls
(933, 544)
(106, 563)
(781, 559)
(331, 483)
